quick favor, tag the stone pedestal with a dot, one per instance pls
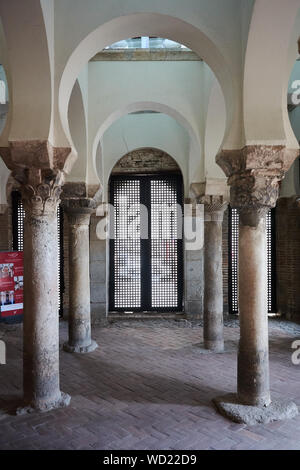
(40, 192)
(79, 212)
(214, 207)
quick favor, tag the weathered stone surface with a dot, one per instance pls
(98, 250)
(98, 271)
(214, 207)
(35, 154)
(253, 176)
(80, 349)
(61, 402)
(79, 206)
(253, 360)
(229, 406)
(98, 292)
(272, 160)
(79, 212)
(194, 308)
(194, 255)
(194, 271)
(194, 290)
(75, 190)
(99, 314)
(40, 191)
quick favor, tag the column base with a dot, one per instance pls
(228, 347)
(80, 349)
(214, 346)
(62, 402)
(278, 410)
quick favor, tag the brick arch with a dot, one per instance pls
(146, 160)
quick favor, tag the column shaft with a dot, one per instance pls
(41, 323)
(253, 176)
(214, 207)
(79, 283)
(253, 357)
(213, 293)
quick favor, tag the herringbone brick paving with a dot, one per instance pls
(148, 386)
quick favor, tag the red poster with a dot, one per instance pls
(11, 283)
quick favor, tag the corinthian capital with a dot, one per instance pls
(40, 190)
(79, 210)
(214, 207)
(253, 176)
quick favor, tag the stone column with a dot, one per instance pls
(40, 191)
(214, 207)
(253, 355)
(254, 173)
(79, 212)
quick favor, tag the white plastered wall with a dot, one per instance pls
(265, 77)
(212, 29)
(116, 88)
(28, 69)
(144, 130)
(187, 92)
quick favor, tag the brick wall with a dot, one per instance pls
(288, 258)
(145, 160)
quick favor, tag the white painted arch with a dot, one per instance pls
(196, 152)
(268, 58)
(152, 24)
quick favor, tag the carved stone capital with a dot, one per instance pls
(253, 176)
(211, 187)
(214, 207)
(268, 160)
(253, 193)
(80, 189)
(79, 210)
(40, 154)
(40, 190)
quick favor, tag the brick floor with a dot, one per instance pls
(147, 387)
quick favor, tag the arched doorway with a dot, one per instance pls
(146, 243)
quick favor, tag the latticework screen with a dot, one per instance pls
(164, 274)
(146, 266)
(127, 244)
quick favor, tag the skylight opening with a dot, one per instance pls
(146, 42)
